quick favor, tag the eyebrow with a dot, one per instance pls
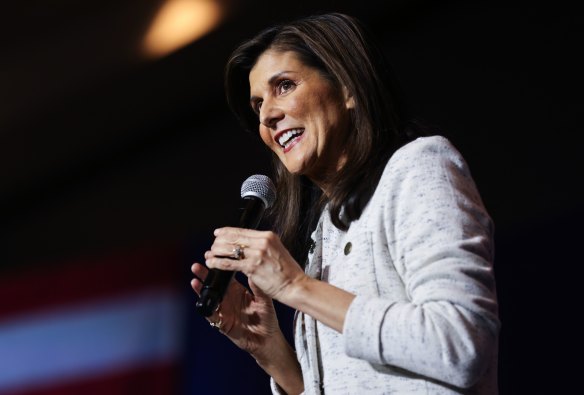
(270, 82)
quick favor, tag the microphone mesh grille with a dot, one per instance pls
(259, 186)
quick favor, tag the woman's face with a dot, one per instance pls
(303, 118)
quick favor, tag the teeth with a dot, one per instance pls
(287, 137)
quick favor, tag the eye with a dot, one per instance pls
(285, 86)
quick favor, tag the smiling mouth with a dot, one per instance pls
(288, 137)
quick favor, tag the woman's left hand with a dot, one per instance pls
(265, 260)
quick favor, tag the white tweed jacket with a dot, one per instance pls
(420, 262)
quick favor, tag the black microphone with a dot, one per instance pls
(258, 193)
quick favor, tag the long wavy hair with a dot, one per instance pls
(346, 54)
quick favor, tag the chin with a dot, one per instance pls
(297, 167)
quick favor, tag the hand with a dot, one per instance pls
(271, 268)
(265, 261)
(249, 320)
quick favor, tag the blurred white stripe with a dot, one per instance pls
(90, 340)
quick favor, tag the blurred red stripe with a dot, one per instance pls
(46, 286)
(149, 380)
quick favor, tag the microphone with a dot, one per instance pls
(258, 193)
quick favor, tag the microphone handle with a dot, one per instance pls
(214, 287)
(217, 281)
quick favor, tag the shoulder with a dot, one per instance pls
(425, 148)
(425, 157)
(429, 167)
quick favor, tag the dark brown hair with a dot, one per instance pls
(343, 51)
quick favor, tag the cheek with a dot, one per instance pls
(266, 136)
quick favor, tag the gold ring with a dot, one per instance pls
(216, 325)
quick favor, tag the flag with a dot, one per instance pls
(101, 325)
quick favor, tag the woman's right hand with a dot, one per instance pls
(248, 319)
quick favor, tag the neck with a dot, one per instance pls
(323, 178)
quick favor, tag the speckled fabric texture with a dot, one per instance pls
(420, 262)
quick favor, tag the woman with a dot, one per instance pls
(381, 244)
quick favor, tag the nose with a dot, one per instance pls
(270, 114)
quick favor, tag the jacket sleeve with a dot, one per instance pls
(440, 239)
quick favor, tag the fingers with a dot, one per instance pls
(237, 232)
(255, 245)
(227, 240)
(231, 245)
(228, 264)
(200, 272)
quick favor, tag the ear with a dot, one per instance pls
(349, 100)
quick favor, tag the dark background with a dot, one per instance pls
(103, 150)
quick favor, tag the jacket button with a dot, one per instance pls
(348, 247)
(311, 247)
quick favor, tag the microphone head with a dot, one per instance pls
(261, 187)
